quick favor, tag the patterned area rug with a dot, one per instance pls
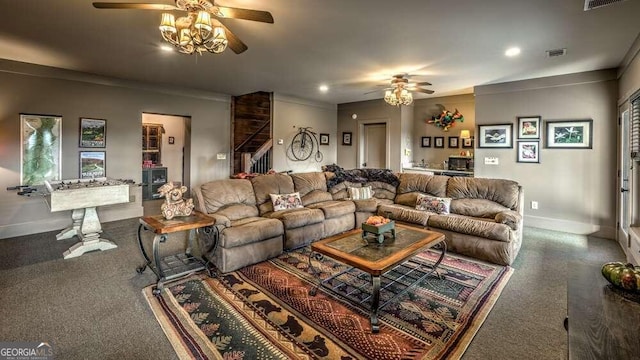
(265, 311)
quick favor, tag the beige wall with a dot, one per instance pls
(575, 188)
(41, 90)
(424, 110)
(368, 112)
(289, 114)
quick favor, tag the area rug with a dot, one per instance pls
(264, 311)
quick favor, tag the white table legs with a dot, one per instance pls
(86, 226)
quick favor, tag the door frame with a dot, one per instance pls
(360, 140)
(623, 236)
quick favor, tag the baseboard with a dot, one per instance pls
(59, 221)
(573, 227)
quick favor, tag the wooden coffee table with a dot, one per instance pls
(376, 259)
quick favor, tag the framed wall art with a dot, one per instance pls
(40, 148)
(467, 143)
(495, 136)
(426, 142)
(569, 134)
(171, 140)
(346, 138)
(528, 151)
(324, 139)
(93, 133)
(529, 127)
(438, 142)
(453, 142)
(92, 164)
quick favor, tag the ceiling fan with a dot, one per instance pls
(400, 88)
(197, 31)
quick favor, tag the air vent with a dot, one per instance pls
(594, 4)
(556, 52)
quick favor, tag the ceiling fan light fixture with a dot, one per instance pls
(194, 33)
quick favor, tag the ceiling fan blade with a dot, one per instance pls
(244, 14)
(140, 6)
(235, 43)
(426, 91)
(424, 83)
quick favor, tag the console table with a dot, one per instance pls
(602, 323)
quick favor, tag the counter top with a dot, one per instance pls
(438, 171)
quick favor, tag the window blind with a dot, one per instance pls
(635, 128)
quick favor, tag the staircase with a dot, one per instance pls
(251, 129)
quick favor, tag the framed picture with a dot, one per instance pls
(172, 140)
(92, 164)
(324, 139)
(571, 134)
(453, 142)
(529, 151)
(426, 141)
(40, 148)
(438, 141)
(93, 133)
(467, 143)
(529, 127)
(495, 136)
(346, 138)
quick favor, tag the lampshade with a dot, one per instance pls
(203, 22)
(465, 134)
(168, 23)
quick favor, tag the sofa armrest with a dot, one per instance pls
(221, 220)
(509, 218)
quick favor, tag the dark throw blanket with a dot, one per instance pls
(360, 176)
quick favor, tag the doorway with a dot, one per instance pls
(373, 146)
(172, 151)
(624, 209)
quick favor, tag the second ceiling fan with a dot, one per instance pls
(197, 31)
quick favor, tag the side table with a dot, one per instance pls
(174, 266)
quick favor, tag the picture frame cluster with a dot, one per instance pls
(93, 134)
(559, 134)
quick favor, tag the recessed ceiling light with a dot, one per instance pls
(166, 48)
(323, 88)
(511, 52)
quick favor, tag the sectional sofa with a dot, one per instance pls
(484, 218)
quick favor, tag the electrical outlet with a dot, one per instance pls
(280, 141)
(221, 156)
(534, 205)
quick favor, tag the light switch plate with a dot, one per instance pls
(280, 141)
(491, 161)
(221, 156)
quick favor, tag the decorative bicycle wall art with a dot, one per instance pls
(304, 144)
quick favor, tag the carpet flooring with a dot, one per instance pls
(92, 307)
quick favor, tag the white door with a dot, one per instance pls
(624, 212)
(375, 145)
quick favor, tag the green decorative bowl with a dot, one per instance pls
(379, 230)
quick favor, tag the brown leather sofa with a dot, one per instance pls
(485, 220)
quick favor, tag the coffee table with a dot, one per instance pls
(377, 259)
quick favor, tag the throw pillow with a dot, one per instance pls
(286, 201)
(361, 193)
(433, 204)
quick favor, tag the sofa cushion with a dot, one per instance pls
(481, 227)
(339, 191)
(368, 205)
(334, 208)
(477, 207)
(295, 218)
(404, 213)
(265, 185)
(285, 201)
(382, 190)
(360, 193)
(433, 204)
(435, 185)
(312, 187)
(250, 230)
(233, 198)
(502, 191)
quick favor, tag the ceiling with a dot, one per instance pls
(349, 45)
